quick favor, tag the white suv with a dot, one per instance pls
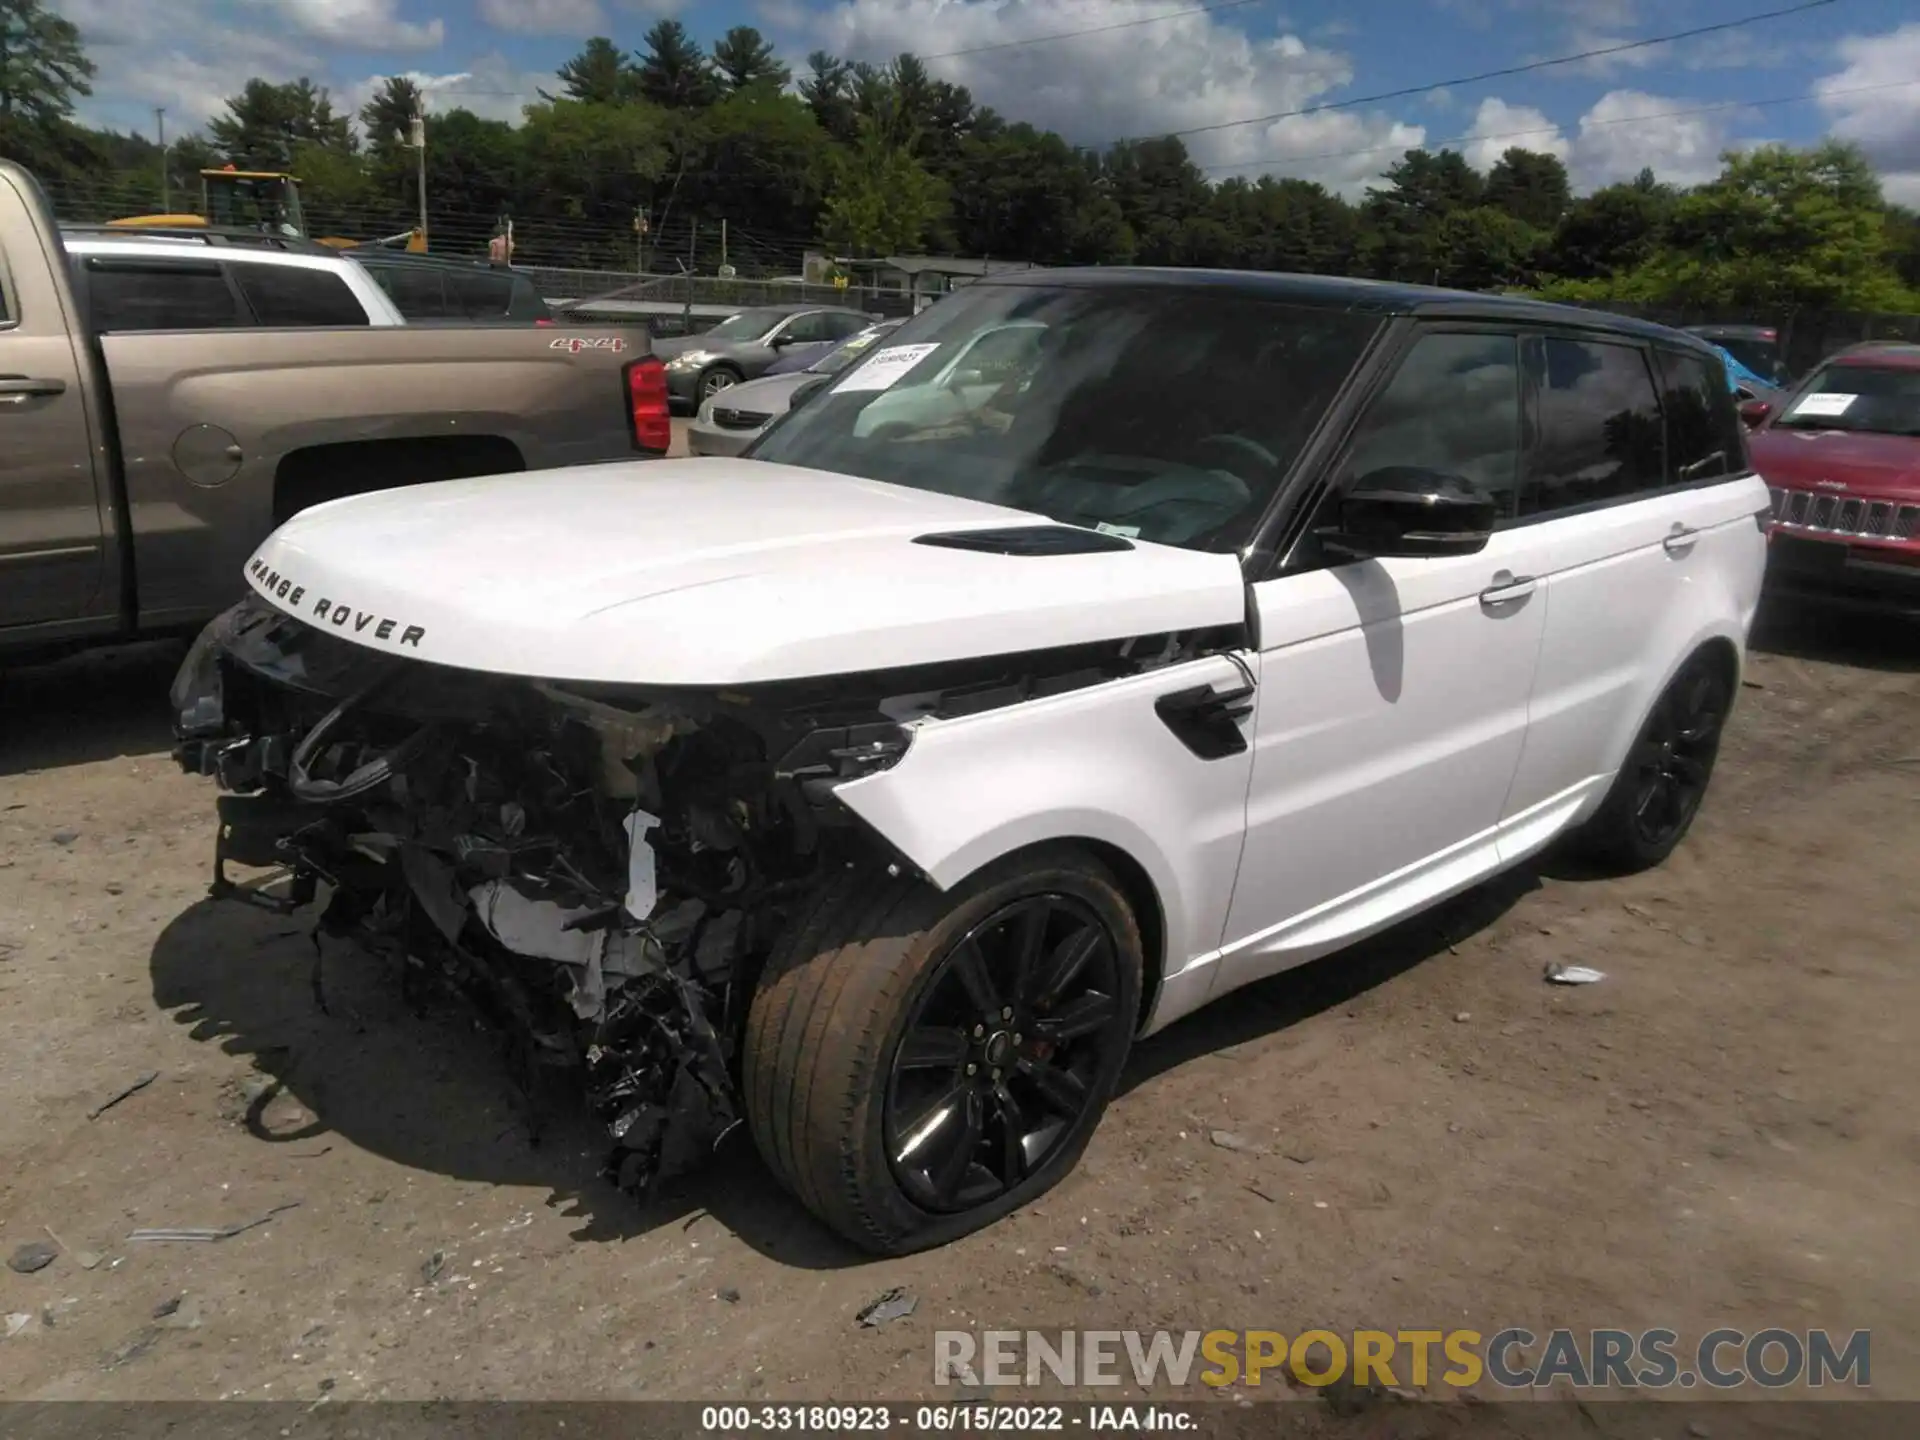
(881, 788)
(132, 280)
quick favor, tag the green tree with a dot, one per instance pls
(1157, 188)
(1779, 230)
(387, 115)
(675, 72)
(42, 65)
(1030, 196)
(1404, 216)
(828, 91)
(265, 122)
(1289, 225)
(745, 59)
(1611, 231)
(1486, 248)
(601, 74)
(762, 162)
(1903, 244)
(882, 201)
(1530, 186)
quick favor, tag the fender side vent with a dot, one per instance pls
(1028, 540)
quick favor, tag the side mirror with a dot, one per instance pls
(780, 342)
(1752, 412)
(1402, 511)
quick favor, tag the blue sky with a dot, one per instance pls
(1855, 64)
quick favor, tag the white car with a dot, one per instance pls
(882, 790)
(183, 280)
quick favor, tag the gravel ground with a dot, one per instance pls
(1719, 1133)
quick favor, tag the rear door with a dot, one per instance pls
(1393, 693)
(1628, 527)
(53, 512)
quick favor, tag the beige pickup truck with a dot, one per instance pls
(140, 468)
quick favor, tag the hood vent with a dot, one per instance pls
(1028, 540)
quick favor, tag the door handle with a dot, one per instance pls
(1506, 588)
(16, 388)
(1680, 540)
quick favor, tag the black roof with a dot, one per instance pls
(1379, 297)
(1734, 332)
(381, 255)
(212, 235)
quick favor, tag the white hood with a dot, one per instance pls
(708, 572)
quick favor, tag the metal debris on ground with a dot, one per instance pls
(434, 1264)
(1557, 974)
(134, 1089)
(209, 1234)
(895, 1304)
(17, 1322)
(730, 1295)
(33, 1256)
(88, 1259)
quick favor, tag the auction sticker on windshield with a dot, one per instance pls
(1825, 403)
(882, 368)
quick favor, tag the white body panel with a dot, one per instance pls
(708, 572)
(1096, 764)
(1632, 595)
(1393, 710)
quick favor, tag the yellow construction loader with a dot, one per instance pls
(266, 200)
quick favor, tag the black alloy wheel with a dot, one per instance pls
(1001, 1061)
(1673, 759)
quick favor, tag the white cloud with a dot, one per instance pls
(143, 62)
(1884, 122)
(1182, 72)
(361, 24)
(1498, 127)
(1628, 130)
(545, 17)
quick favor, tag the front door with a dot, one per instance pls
(1393, 694)
(52, 551)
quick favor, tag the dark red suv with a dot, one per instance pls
(1841, 454)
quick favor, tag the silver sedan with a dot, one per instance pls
(734, 418)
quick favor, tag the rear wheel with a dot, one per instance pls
(1658, 792)
(918, 1065)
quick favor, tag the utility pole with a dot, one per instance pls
(166, 182)
(723, 245)
(417, 139)
(639, 241)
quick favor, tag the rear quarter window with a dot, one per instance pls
(295, 295)
(131, 295)
(1705, 439)
(418, 292)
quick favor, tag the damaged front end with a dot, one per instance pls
(600, 872)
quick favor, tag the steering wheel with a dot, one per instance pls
(1245, 446)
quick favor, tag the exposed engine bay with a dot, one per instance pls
(600, 870)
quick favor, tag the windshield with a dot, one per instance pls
(747, 325)
(851, 349)
(1167, 414)
(1881, 400)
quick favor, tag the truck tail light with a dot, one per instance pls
(647, 411)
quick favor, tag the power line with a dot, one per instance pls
(1473, 137)
(1501, 73)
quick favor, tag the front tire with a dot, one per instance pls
(1659, 789)
(919, 1064)
(721, 377)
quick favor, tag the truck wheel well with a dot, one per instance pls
(354, 467)
(1722, 652)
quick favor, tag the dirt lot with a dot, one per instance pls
(1720, 1133)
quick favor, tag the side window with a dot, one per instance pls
(839, 327)
(1705, 439)
(806, 329)
(418, 292)
(482, 294)
(1453, 407)
(294, 295)
(1598, 430)
(128, 295)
